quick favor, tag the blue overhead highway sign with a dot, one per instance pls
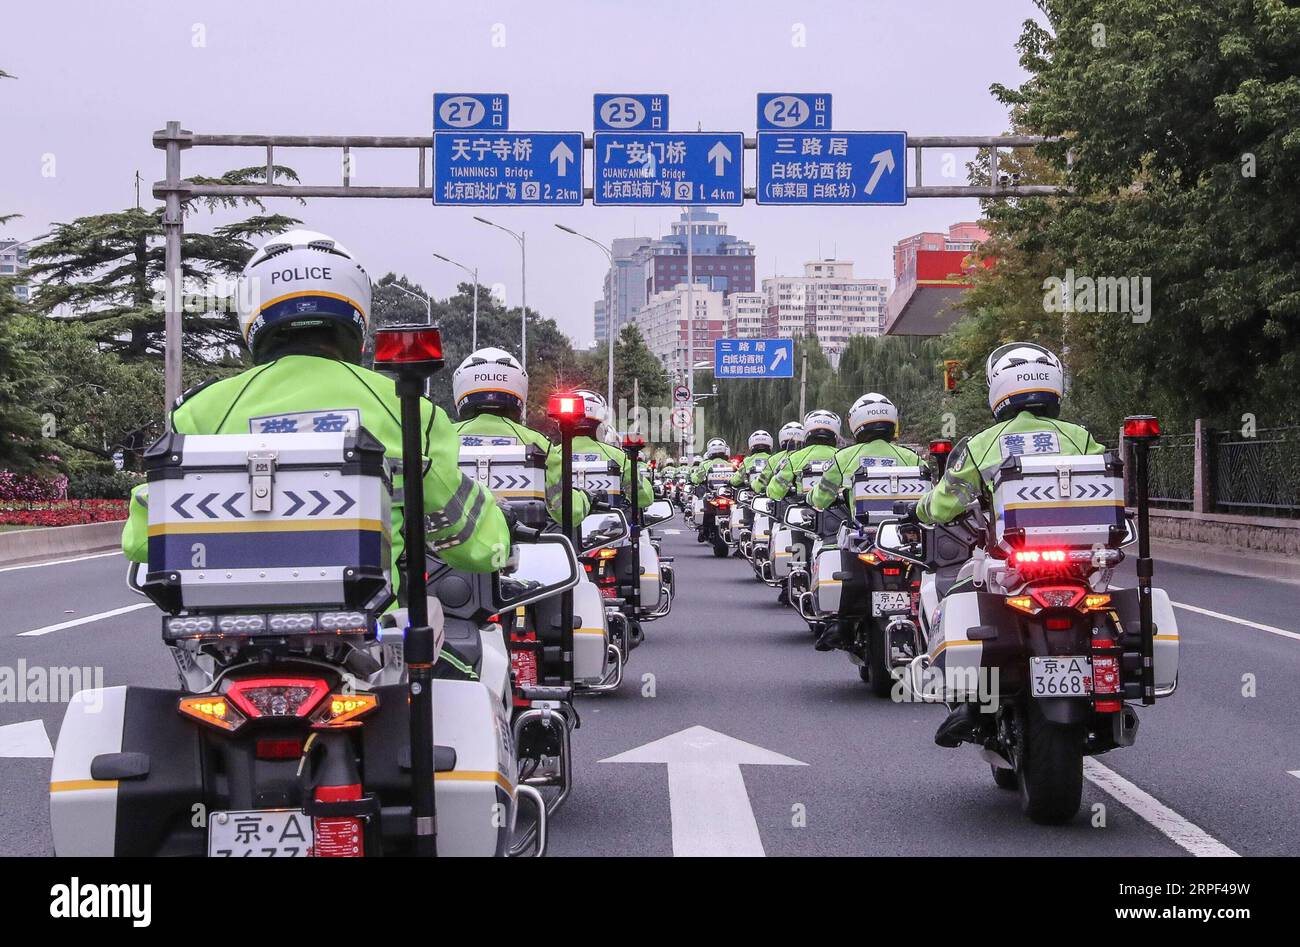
(483, 168)
(808, 167)
(650, 168)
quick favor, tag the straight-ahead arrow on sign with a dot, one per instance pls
(709, 805)
(720, 154)
(561, 155)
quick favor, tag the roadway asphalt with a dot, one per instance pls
(1212, 767)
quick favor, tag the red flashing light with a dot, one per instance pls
(633, 440)
(1038, 557)
(277, 696)
(565, 407)
(1142, 427)
(408, 345)
(941, 446)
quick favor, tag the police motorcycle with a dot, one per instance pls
(713, 499)
(864, 597)
(790, 554)
(309, 719)
(1041, 657)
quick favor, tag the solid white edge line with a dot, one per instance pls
(72, 623)
(1271, 629)
(59, 562)
(1192, 838)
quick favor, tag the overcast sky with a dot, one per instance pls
(96, 78)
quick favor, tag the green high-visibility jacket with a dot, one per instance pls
(310, 393)
(707, 466)
(764, 476)
(583, 444)
(973, 462)
(837, 479)
(789, 475)
(746, 474)
(501, 428)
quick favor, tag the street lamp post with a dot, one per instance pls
(609, 316)
(428, 302)
(523, 288)
(474, 275)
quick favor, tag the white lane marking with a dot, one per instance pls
(673, 532)
(1271, 629)
(73, 623)
(707, 800)
(1177, 829)
(26, 740)
(1294, 772)
(59, 562)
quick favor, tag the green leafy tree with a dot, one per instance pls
(1179, 120)
(106, 271)
(22, 448)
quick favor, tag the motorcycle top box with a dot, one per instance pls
(249, 521)
(513, 472)
(594, 472)
(1078, 501)
(876, 489)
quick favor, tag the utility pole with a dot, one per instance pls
(690, 314)
(803, 389)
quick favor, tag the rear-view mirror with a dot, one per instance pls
(604, 529)
(661, 511)
(546, 567)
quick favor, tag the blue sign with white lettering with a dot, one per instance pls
(753, 358)
(667, 168)
(785, 111)
(625, 113)
(466, 110)
(832, 167)
(506, 168)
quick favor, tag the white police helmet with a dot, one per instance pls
(716, 447)
(821, 422)
(302, 280)
(876, 413)
(760, 439)
(791, 433)
(1022, 375)
(490, 377)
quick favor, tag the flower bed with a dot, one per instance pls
(61, 512)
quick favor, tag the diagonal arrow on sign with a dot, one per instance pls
(26, 740)
(884, 161)
(709, 805)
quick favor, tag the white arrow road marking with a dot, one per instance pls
(719, 154)
(561, 154)
(884, 161)
(37, 632)
(1271, 629)
(26, 740)
(1294, 772)
(1179, 831)
(59, 562)
(707, 799)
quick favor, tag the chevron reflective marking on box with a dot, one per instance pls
(201, 506)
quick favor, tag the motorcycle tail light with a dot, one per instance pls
(277, 696)
(214, 710)
(343, 710)
(278, 749)
(1059, 623)
(1057, 596)
(892, 570)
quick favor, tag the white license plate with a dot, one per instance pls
(1060, 676)
(260, 833)
(882, 602)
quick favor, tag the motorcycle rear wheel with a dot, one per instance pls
(1049, 769)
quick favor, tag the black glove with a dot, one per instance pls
(600, 501)
(906, 509)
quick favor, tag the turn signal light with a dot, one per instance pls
(214, 710)
(1022, 603)
(408, 345)
(870, 558)
(1095, 602)
(342, 710)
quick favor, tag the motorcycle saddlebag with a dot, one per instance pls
(1165, 647)
(127, 776)
(241, 521)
